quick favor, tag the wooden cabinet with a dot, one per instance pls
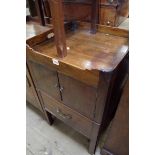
(31, 95)
(81, 89)
(110, 12)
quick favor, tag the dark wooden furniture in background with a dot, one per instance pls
(117, 140)
(32, 7)
(81, 88)
(36, 11)
(73, 10)
(113, 12)
(56, 7)
(110, 12)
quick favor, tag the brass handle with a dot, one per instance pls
(64, 116)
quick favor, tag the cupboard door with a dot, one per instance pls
(78, 95)
(46, 80)
(31, 95)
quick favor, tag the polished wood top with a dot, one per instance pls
(33, 29)
(86, 51)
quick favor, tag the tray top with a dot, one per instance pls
(84, 50)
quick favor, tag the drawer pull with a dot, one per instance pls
(64, 116)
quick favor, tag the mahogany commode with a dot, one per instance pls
(79, 77)
(81, 89)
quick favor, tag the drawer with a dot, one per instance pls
(108, 15)
(67, 115)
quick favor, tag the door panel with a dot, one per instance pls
(46, 80)
(77, 95)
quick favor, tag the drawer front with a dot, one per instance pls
(78, 95)
(67, 115)
(107, 15)
(46, 80)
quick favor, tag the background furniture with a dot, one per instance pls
(36, 11)
(113, 12)
(110, 12)
(117, 140)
